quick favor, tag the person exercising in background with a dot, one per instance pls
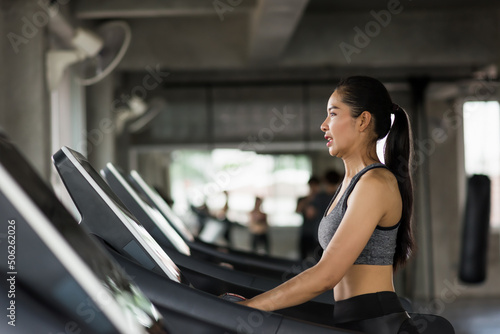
(319, 204)
(258, 227)
(366, 231)
(309, 228)
(311, 207)
(221, 215)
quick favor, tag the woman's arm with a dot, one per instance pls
(367, 206)
(297, 290)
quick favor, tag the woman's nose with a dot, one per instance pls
(324, 126)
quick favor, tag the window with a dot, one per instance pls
(201, 177)
(482, 147)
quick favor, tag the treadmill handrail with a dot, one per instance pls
(160, 221)
(163, 206)
(152, 283)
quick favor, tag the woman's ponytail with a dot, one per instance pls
(398, 158)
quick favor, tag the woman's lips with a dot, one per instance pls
(329, 143)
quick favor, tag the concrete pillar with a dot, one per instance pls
(421, 269)
(447, 193)
(101, 127)
(24, 110)
(153, 168)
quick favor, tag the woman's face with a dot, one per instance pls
(339, 126)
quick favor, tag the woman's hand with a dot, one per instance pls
(244, 302)
(254, 304)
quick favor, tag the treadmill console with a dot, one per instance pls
(104, 215)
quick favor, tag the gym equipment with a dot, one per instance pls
(195, 268)
(167, 236)
(57, 276)
(65, 281)
(156, 201)
(103, 213)
(158, 288)
(475, 233)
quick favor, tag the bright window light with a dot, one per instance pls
(202, 177)
(381, 145)
(482, 147)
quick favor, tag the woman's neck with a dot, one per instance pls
(354, 163)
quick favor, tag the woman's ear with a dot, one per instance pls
(364, 120)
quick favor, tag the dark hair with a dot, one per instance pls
(313, 180)
(368, 94)
(332, 177)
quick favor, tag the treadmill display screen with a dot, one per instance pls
(100, 186)
(33, 198)
(101, 183)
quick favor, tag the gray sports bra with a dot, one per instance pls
(382, 244)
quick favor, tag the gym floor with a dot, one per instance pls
(468, 315)
(473, 316)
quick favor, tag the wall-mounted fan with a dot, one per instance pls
(137, 115)
(95, 53)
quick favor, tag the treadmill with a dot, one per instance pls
(195, 267)
(66, 282)
(105, 218)
(57, 278)
(285, 267)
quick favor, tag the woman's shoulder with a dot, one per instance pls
(379, 180)
(377, 190)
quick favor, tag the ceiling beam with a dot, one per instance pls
(114, 9)
(273, 24)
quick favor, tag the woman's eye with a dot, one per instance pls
(333, 114)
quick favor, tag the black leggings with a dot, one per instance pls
(377, 313)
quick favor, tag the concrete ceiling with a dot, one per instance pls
(367, 5)
(270, 36)
(232, 65)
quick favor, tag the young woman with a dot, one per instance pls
(366, 231)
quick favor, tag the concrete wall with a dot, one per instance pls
(24, 110)
(444, 151)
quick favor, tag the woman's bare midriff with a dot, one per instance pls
(362, 279)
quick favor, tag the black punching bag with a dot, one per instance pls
(473, 259)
